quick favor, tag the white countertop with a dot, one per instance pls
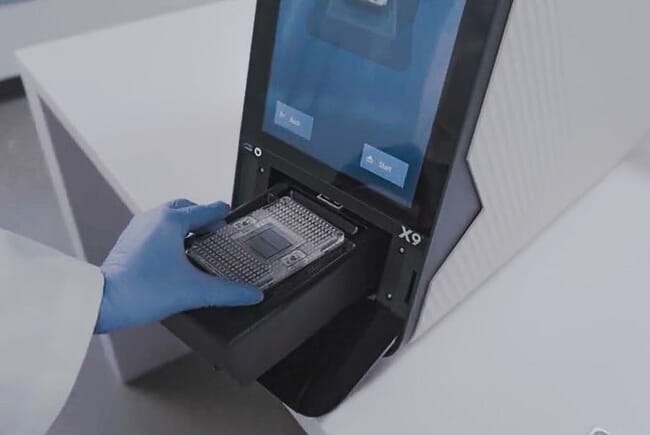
(156, 105)
(547, 346)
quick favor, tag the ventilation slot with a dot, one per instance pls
(409, 292)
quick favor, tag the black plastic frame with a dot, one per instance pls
(247, 341)
(467, 61)
(316, 376)
(484, 24)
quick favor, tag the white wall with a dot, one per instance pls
(27, 22)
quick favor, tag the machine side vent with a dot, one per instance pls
(411, 288)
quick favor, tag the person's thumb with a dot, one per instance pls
(199, 216)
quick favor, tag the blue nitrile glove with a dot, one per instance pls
(147, 276)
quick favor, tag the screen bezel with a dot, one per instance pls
(451, 122)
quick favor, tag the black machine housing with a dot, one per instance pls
(319, 332)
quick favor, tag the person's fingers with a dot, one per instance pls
(210, 291)
(180, 203)
(231, 294)
(199, 216)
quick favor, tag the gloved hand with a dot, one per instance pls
(147, 276)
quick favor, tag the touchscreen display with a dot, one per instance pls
(356, 84)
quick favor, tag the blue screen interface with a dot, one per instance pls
(356, 84)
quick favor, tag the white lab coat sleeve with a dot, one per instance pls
(48, 308)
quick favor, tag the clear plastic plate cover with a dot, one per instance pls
(268, 245)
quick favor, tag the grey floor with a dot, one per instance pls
(187, 397)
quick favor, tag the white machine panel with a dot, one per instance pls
(569, 98)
